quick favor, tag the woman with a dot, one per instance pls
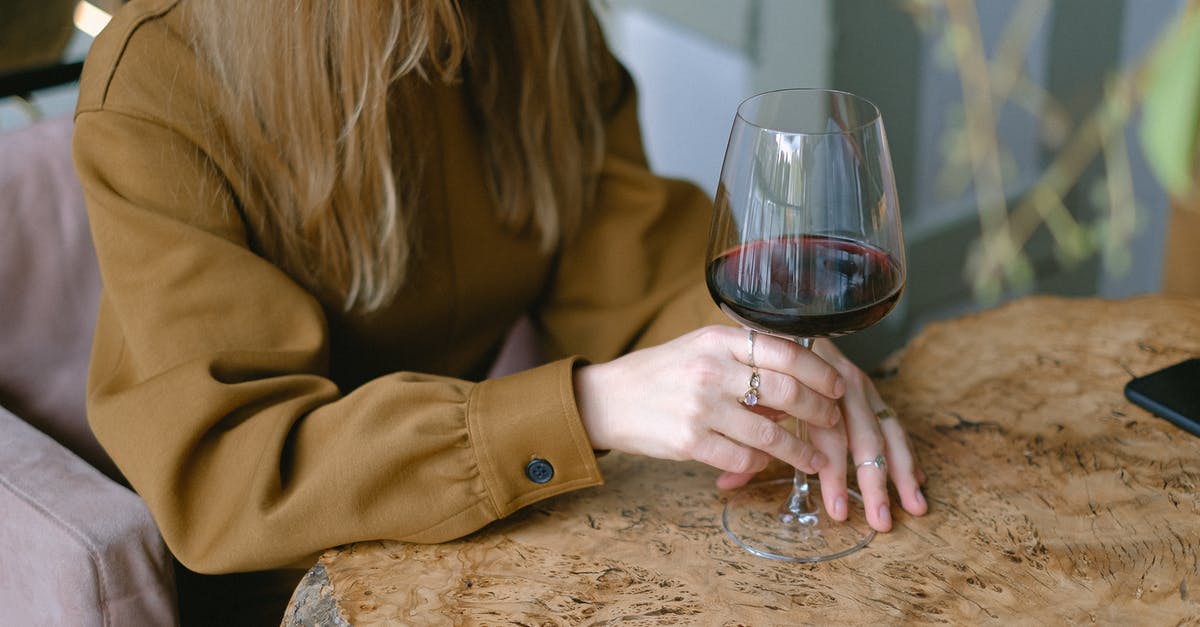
(316, 220)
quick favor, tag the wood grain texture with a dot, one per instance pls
(1052, 500)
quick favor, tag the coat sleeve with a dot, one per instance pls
(209, 386)
(634, 276)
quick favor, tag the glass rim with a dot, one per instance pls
(876, 117)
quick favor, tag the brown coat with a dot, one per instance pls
(262, 425)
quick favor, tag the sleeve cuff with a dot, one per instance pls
(528, 437)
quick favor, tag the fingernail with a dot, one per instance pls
(920, 497)
(839, 387)
(819, 460)
(885, 515)
(839, 507)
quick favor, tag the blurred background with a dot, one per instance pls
(1037, 184)
(1015, 125)
(42, 44)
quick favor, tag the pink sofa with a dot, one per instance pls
(77, 547)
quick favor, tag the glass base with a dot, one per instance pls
(757, 519)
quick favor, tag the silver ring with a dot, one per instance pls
(879, 462)
(751, 397)
(752, 334)
(885, 413)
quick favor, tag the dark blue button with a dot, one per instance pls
(539, 470)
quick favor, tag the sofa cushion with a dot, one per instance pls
(49, 286)
(78, 549)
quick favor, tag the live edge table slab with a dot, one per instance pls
(1052, 500)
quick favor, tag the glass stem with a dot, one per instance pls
(800, 507)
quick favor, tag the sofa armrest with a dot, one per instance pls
(76, 548)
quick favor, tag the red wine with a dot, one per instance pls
(806, 285)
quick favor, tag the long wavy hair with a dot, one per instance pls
(314, 91)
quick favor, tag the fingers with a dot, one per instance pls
(766, 435)
(733, 480)
(906, 475)
(871, 436)
(902, 467)
(836, 400)
(785, 394)
(786, 356)
(866, 443)
(720, 452)
(832, 441)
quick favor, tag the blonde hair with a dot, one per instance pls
(316, 87)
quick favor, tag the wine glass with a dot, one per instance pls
(805, 243)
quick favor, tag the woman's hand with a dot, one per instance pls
(679, 401)
(869, 428)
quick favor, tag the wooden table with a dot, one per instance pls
(1052, 500)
